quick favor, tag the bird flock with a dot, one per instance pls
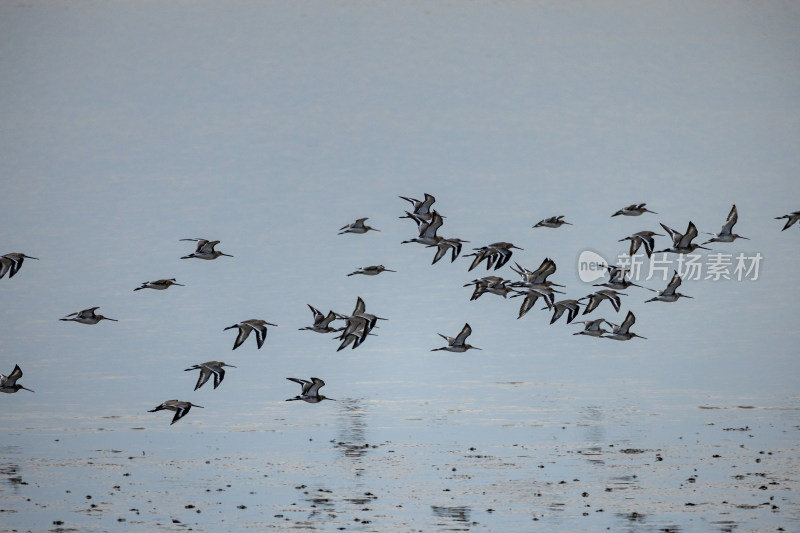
(358, 326)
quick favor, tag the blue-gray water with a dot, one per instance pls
(127, 126)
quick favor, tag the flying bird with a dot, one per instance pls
(792, 218)
(596, 299)
(246, 326)
(669, 294)
(8, 384)
(421, 208)
(682, 242)
(356, 227)
(457, 344)
(592, 328)
(321, 322)
(205, 250)
(491, 284)
(371, 270)
(621, 332)
(310, 391)
(11, 263)
(726, 233)
(158, 285)
(633, 210)
(571, 307)
(496, 254)
(443, 244)
(616, 279)
(180, 408)
(426, 228)
(532, 294)
(642, 238)
(552, 222)
(87, 316)
(208, 369)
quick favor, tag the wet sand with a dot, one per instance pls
(728, 468)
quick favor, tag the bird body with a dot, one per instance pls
(616, 279)
(205, 250)
(571, 307)
(421, 208)
(310, 391)
(532, 293)
(682, 242)
(457, 344)
(427, 228)
(791, 219)
(642, 238)
(593, 328)
(158, 285)
(246, 326)
(536, 277)
(443, 244)
(373, 270)
(87, 316)
(11, 263)
(356, 227)
(496, 254)
(321, 322)
(208, 369)
(491, 284)
(552, 222)
(597, 297)
(534, 284)
(358, 325)
(621, 332)
(360, 310)
(669, 294)
(180, 408)
(8, 384)
(633, 210)
(353, 338)
(726, 233)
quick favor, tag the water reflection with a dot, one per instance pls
(636, 522)
(726, 526)
(351, 433)
(321, 504)
(10, 473)
(457, 514)
(633, 517)
(622, 482)
(592, 418)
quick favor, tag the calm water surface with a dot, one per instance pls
(268, 126)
